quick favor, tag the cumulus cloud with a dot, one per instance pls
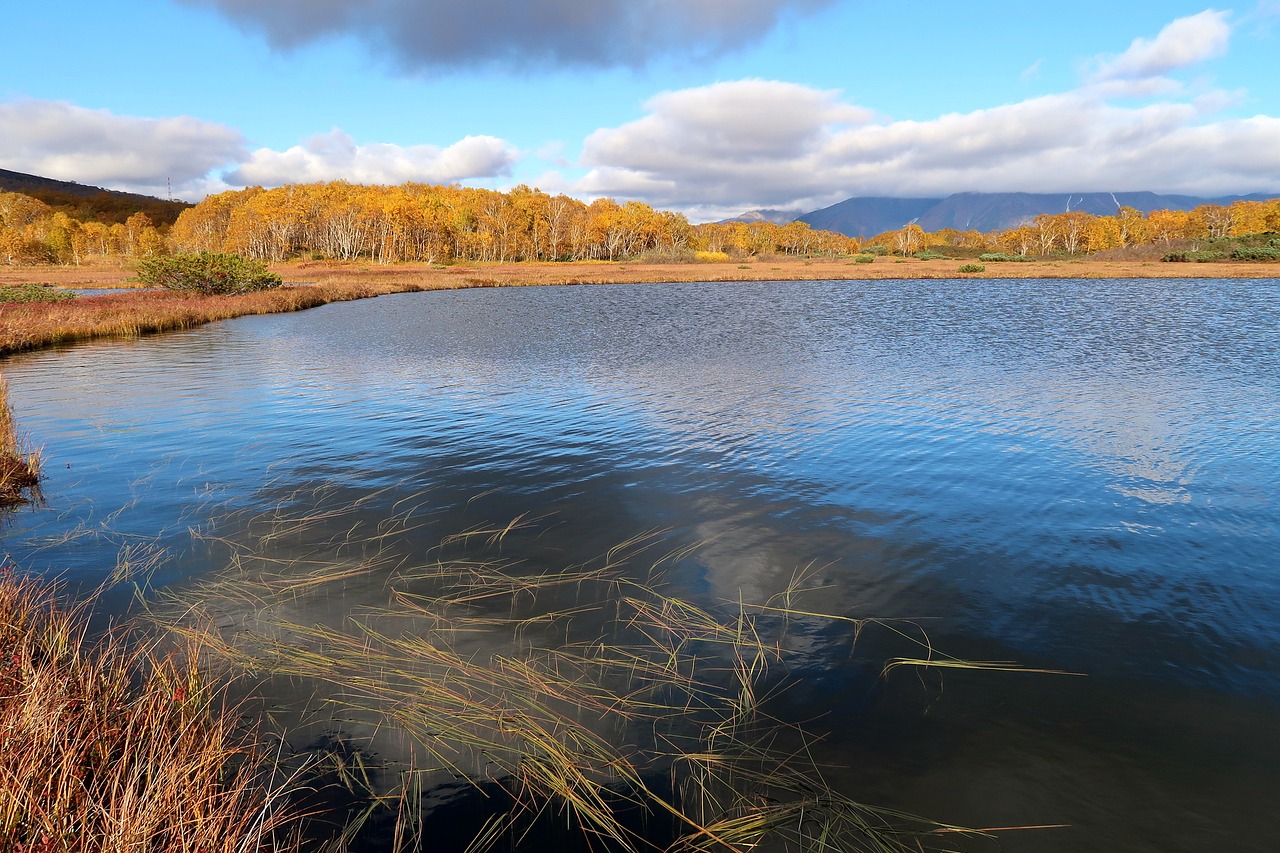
(1061, 143)
(60, 140)
(422, 34)
(336, 156)
(1185, 42)
(194, 158)
(718, 150)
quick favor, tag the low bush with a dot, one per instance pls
(713, 257)
(33, 293)
(1256, 253)
(864, 259)
(878, 251)
(1193, 256)
(929, 255)
(997, 257)
(972, 268)
(208, 273)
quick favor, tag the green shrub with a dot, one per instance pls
(929, 255)
(33, 293)
(875, 250)
(208, 273)
(973, 268)
(864, 259)
(1256, 253)
(1193, 256)
(997, 257)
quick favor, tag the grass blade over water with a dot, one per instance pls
(567, 697)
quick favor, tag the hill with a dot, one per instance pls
(868, 216)
(91, 204)
(864, 217)
(777, 217)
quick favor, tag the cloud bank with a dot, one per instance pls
(193, 158)
(60, 140)
(422, 34)
(721, 149)
(336, 156)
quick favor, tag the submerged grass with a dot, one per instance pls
(570, 696)
(584, 708)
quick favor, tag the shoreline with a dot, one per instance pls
(32, 326)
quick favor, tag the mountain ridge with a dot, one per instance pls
(84, 202)
(871, 215)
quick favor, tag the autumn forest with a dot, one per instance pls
(444, 224)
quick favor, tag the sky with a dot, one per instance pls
(708, 107)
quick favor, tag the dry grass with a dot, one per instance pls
(30, 326)
(117, 745)
(19, 467)
(567, 698)
(565, 690)
(761, 269)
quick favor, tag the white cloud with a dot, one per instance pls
(149, 155)
(336, 156)
(822, 150)
(1185, 42)
(748, 120)
(722, 149)
(59, 140)
(419, 34)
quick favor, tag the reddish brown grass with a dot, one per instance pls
(19, 468)
(115, 745)
(33, 325)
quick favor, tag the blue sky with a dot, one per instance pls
(710, 107)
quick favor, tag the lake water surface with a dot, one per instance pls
(1074, 475)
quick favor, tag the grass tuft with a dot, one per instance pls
(19, 467)
(119, 743)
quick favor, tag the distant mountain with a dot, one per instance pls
(90, 203)
(866, 217)
(778, 217)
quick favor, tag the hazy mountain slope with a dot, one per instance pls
(866, 217)
(90, 203)
(863, 217)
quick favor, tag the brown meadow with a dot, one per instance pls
(31, 326)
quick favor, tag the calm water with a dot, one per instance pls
(1068, 474)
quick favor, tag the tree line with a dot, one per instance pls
(1077, 233)
(444, 224)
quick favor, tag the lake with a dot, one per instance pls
(1079, 476)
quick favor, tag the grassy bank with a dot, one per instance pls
(118, 744)
(19, 467)
(33, 325)
(28, 326)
